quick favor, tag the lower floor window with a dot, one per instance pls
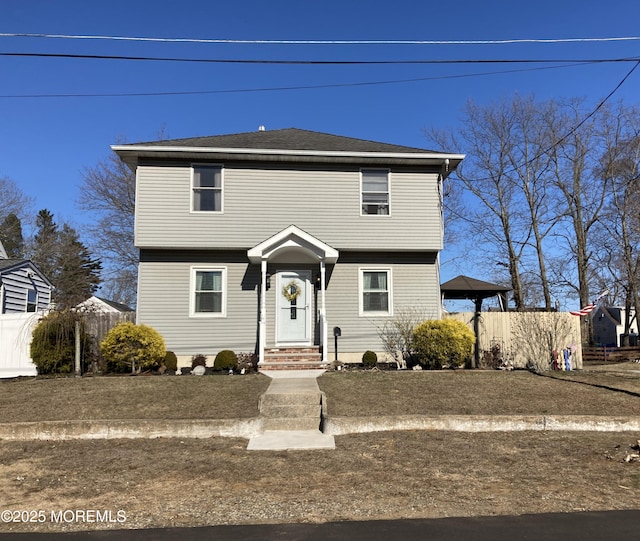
(208, 292)
(375, 291)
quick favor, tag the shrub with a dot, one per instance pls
(170, 361)
(443, 342)
(248, 361)
(198, 360)
(225, 360)
(53, 347)
(369, 359)
(134, 347)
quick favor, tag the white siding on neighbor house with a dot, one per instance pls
(15, 286)
(164, 296)
(259, 202)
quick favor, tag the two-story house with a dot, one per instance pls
(266, 241)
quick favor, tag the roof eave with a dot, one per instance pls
(132, 153)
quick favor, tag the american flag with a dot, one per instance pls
(591, 306)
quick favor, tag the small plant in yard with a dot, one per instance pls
(53, 345)
(247, 362)
(198, 360)
(225, 360)
(170, 361)
(443, 343)
(369, 359)
(134, 347)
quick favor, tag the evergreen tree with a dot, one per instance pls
(45, 252)
(78, 275)
(65, 261)
(11, 237)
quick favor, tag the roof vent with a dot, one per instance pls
(261, 128)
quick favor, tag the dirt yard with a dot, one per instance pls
(167, 482)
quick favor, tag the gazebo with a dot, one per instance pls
(466, 288)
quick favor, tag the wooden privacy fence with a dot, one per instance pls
(16, 334)
(527, 338)
(611, 354)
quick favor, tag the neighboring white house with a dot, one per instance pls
(608, 326)
(266, 241)
(98, 304)
(24, 294)
(23, 288)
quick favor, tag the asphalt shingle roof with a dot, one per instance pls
(285, 139)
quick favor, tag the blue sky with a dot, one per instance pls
(46, 142)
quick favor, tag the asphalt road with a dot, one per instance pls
(618, 525)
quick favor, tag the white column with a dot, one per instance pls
(262, 325)
(323, 312)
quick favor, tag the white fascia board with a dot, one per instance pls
(329, 153)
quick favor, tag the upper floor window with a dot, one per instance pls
(375, 191)
(206, 188)
(32, 300)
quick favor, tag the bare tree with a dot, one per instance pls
(620, 220)
(108, 190)
(510, 208)
(12, 199)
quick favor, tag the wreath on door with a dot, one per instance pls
(291, 291)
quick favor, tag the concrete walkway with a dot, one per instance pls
(291, 409)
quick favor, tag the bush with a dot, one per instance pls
(134, 347)
(443, 343)
(225, 360)
(198, 360)
(369, 359)
(53, 347)
(170, 361)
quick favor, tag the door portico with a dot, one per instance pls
(293, 308)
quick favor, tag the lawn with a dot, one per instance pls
(352, 393)
(403, 474)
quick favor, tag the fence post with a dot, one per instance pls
(77, 329)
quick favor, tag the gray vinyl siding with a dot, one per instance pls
(259, 202)
(164, 293)
(15, 286)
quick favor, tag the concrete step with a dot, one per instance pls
(291, 411)
(287, 423)
(289, 399)
(280, 440)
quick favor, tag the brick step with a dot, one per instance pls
(296, 365)
(291, 411)
(287, 423)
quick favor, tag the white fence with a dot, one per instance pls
(16, 333)
(15, 338)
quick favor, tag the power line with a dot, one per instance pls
(318, 62)
(281, 88)
(573, 129)
(320, 42)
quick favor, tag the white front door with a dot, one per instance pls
(293, 317)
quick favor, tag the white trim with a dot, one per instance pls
(388, 171)
(192, 168)
(293, 237)
(436, 156)
(192, 291)
(361, 311)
